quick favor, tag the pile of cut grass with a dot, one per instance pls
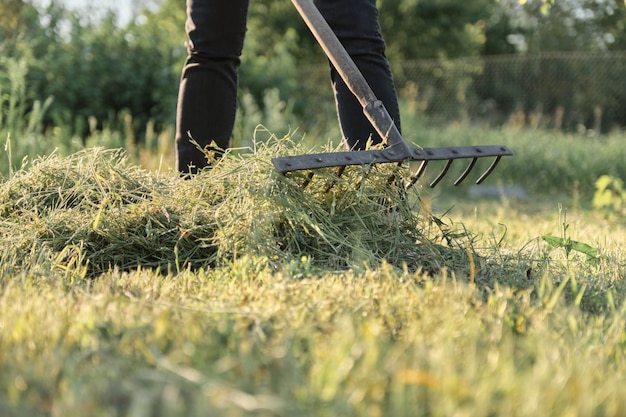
(94, 212)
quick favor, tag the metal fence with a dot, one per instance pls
(561, 90)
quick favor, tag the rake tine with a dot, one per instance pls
(491, 168)
(417, 175)
(442, 174)
(308, 180)
(466, 172)
(333, 182)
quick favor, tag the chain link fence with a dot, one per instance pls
(561, 90)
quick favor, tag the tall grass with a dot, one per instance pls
(20, 119)
(26, 133)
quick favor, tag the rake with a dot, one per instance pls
(396, 150)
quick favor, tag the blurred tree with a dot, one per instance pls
(613, 24)
(565, 25)
(498, 27)
(575, 91)
(16, 17)
(434, 28)
(160, 32)
(10, 13)
(95, 67)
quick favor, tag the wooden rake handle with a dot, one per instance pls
(373, 108)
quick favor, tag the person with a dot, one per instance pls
(207, 100)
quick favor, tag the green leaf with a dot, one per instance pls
(570, 245)
(581, 247)
(554, 241)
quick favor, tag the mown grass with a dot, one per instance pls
(125, 292)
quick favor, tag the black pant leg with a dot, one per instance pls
(355, 22)
(207, 101)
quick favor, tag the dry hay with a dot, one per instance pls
(95, 209)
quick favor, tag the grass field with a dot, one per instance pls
(125, 292)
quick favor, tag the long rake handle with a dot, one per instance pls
(373, 108)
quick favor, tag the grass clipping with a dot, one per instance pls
(95, 209)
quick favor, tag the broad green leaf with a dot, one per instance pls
(554, 241)
(570, 245)
(581, 247)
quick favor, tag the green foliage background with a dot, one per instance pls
(96, 68)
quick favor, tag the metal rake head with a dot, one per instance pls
(388, 155)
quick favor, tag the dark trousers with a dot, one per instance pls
(208, 90)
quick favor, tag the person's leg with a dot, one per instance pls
(355, 22)
(207, 100)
